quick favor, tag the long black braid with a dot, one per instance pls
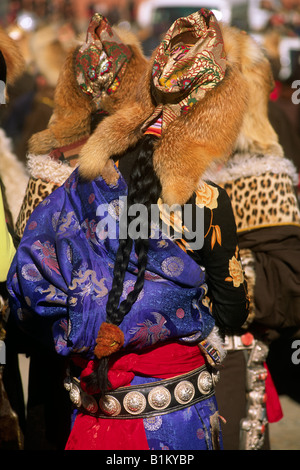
(144, 188)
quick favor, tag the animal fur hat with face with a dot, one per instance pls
(97, 76)
(201, 97)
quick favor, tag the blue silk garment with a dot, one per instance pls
(62, 272)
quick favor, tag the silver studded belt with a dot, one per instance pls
(145, 400)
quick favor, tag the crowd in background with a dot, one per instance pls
(46, 30)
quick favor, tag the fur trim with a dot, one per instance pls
(245, 164)
(214, 338)
(113, 136)
(14, 176)
(44, 167)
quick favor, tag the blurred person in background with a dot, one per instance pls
(45, 48)
(260, 180)
(11, 67)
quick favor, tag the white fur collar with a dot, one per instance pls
(43, 166)
(245, 164)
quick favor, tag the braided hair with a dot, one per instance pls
(144, 188)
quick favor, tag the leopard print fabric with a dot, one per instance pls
(37, 190)
(264, 200)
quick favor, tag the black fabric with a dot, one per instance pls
(231, 398)
(277, 266)
(2, 68)
(49, 408)
(45, 422)
(228, 302)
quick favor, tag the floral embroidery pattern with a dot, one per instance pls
(235, 271)
(207, 196)
(101, 61)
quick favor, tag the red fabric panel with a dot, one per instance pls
(273, 406)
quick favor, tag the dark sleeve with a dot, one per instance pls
(227, 288)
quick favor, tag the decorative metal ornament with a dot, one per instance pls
(184, 392)
(205, 382)
(159, 398)
(110, 405)
(89, 403)
(215, 377)
(75, 396)
(68, 384)
(134, 403)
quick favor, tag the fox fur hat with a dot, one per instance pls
(201, 94)
(97, 76)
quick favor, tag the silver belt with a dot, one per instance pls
(145, 400)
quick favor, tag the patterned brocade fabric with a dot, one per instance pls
(261, 201)
(189, 62)
(101, 60)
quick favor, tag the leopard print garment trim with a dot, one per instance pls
(37, 190)
(265, 200)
